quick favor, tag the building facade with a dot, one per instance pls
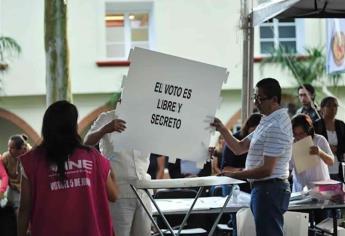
(101, 33)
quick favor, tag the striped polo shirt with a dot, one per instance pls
(272, 138)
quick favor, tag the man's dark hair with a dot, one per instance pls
(310, 88)
(271, 88)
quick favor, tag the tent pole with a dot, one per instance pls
(248, 55)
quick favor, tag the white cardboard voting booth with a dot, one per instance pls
(168, 103)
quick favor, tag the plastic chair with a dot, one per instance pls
(295, 223)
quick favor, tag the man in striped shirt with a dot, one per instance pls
(267, 166)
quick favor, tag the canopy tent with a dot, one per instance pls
(279, 9)
(298, 9)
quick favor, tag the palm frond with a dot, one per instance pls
(305, 71)
(9, 47)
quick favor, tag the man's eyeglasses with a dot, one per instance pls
(259, 99)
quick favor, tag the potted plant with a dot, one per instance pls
(8, 48)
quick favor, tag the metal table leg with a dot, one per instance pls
(335, 222)
(160, 213)
(220, 214)
(190, 210)
(146, 210)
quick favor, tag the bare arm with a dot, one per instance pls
(214, 164)
(3, 179)
(231, 169)
(236, 146)
(116, 125)
(24, 208)
(111, 186)
(160, 167)
(256, 173)
(325, 157)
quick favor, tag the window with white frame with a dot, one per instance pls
(126, 29)
(286, 33)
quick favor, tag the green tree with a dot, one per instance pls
(9, 48)
(58, 83)
(308, 69)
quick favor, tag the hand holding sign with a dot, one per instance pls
(218, 124)
(116, 125)
(314, 150)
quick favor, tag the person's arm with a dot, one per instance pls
(160, 167)
(323, 150)
(326, 158)
(260, 172)
(24, 207)
(231, 169)
(215, 167)
(111, 186)
(93, 137)
(238, 147)
(4, 179)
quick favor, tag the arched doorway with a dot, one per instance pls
(11, 124)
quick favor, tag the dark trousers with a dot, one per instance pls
(8, 225)
(269, 201)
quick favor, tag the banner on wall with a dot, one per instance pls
(335, 45)
(168, 103)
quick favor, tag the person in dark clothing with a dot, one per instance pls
(334, 131)
(306, 95)
(175, 170)
(232, 162)
(156, 167)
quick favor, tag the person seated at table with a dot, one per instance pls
(185, 169)
(302, 127)
(157, 166)
(232, 162)
(216, 156)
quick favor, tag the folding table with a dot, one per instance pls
(197, 182)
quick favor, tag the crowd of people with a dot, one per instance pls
(267, 151)
(65, 186)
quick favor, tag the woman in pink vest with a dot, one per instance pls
(65, 185)
(3, 180)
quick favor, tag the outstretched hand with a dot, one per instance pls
(217, 123)
(116, 125)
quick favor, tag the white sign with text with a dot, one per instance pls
(168, 103)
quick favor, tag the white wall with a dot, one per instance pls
(23, 21)
(203, 30)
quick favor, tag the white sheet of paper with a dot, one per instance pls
(300, 152)
(185, 92)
